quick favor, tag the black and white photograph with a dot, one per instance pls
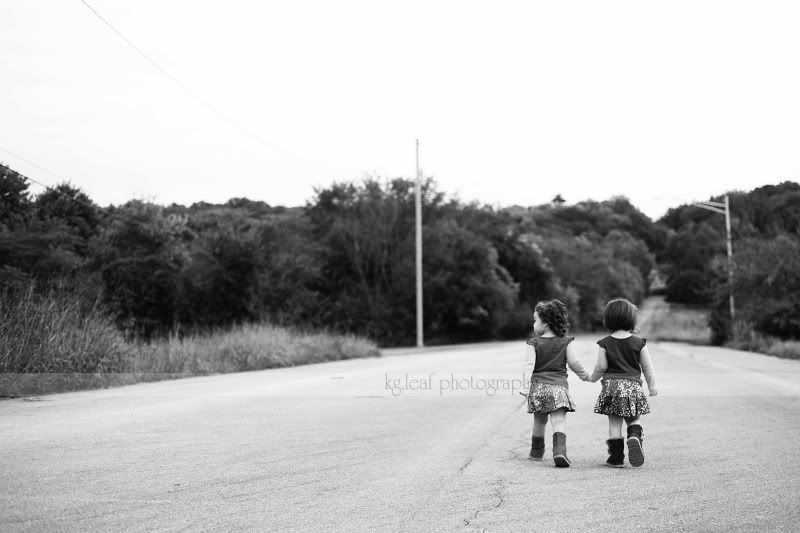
(419, 266)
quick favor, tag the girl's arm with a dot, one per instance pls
(600, 366)
(527, 368)
(649, 372)
(575, 363)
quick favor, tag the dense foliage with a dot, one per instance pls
(765, 228)
(345, 261)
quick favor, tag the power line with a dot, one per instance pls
(102, 210)
(31, 163)
(230, 121)
(62, 194)
(49, 188)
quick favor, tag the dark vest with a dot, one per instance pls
(623, 357)
(551, 360)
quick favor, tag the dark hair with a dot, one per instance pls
(620, 314)
(554, 314)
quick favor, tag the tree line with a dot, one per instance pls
(765, 226)
(344, 262)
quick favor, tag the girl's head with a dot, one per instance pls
(620, 314)
(551, 314)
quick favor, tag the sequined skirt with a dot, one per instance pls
(622, 397)
(546, 398)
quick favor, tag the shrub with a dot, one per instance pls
(690, 286)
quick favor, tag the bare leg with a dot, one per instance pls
(629, 420)
(558, 419)
(539, 423)
(614, 427)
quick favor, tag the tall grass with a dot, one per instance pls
(746, 338)
(245, 347)
(677, 322)
(785, 349)
(52, 343)
(54, 333)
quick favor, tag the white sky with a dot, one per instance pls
(513, 102)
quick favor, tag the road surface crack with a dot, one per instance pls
(499, 493)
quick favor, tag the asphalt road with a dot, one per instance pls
(344, 447)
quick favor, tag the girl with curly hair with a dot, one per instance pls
(548, 354)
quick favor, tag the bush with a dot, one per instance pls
(766, 288)
(719, 320)
(781, 319)
(142, 292)
(690, 287)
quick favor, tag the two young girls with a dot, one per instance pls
(621, 359)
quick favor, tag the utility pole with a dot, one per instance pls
(418, 224)
(725, 209)
(730, 254)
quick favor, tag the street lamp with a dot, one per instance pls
(725, 209)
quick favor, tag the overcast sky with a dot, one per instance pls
(513, 102)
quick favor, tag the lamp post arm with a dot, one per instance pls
(711, 207)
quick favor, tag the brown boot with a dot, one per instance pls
(635, 449)
(560, 449)
(616, 453)
(537, 449)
